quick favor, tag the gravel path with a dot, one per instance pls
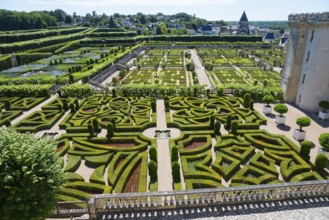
(164, 164)
(200, 71)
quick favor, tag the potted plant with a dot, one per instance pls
(268, 99)
(299, 134)
(324, 114)
(324, 142)
(281, 109)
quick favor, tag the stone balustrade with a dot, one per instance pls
(309, 17)
(134, 202)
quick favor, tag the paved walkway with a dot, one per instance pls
(200, 71)
(36, 108)
(164, 163)
(313, 132)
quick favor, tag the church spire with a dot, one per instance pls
(244, 17)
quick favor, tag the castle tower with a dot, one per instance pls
(306, 75)
(243, 26)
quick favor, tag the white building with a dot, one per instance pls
(306, 74)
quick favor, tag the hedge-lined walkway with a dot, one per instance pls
(312, 132)
(164, 164)
(199, 69)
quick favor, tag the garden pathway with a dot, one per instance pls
(200, 71)
(164, 164)
(313, 132)
(36, 108)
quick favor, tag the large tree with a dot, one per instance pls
(30, 176)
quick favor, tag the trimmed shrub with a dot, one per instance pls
(305, 149)
(114, 93)
(153, 171)
(72, 107)
(251, 105)
(228, 122)
(167, 106)
(65, 105)
(7, 105)
(153, 154)
(91, 129)
(110, 130)
(113, 123)
(95, 124)
(234, 126)
(281, 109)
(60, 107)
(324, 104)
(175, 171)
(174, 154)
(212, 121)
(246, 100)
(76, 103)
(303, 122)
(153, 106)
(268, 99)
(321, 161)
(324, 140)
(217, 128)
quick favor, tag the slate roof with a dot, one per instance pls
(244, 17)
(269, 36)
(206, 28)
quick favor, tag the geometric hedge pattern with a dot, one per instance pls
(120, 164)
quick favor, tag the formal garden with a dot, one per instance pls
(98, 133)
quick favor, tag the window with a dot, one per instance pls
(303, 79)
(312, 36)
(308, 56)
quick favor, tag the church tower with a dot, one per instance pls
(243, 27)
(305, 79)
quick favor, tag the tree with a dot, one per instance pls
(268, 99)
(30, 176)
(303, 122)
(212, 121)
(228, 122)
(153, 106)
(324, 104)
(175, 171)
(324, 140)
(142, 19)
(72, 108)
(246, 100)
(281, 109)
(112, 23)
(217, 128)
(91, 129)
(158, 30)
(153, 171)
(305, 149)
(234, 126)
(321, 161)
(68, 19)
(95, 124)
(251, 105)
(153, 154)
(110, 130)
(174, 154)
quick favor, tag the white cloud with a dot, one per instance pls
(90, 3)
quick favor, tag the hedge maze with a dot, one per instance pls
(247, 156)
(119, 165)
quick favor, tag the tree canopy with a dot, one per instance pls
(30, 176)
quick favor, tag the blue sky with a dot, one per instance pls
(229, 10)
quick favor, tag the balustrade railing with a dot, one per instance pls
(130, 202)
